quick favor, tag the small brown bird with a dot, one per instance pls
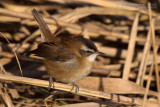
(66, 59)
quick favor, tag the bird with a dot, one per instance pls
(66, 59)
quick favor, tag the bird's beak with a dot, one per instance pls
(100, 53)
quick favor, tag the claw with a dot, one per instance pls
(77, 88)
(50, 83)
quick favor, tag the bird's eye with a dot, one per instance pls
(89, 52)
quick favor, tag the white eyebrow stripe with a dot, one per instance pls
(86, 48)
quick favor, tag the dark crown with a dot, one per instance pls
(87, 43)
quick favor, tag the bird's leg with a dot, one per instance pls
(77, 88)
(50, 83)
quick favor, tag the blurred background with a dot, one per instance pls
(122, 29)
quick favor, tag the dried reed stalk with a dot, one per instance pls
(82, 91)
(148, 82)
(154, 51)
(143, 63)
(131, 47)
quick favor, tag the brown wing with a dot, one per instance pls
(52, 51)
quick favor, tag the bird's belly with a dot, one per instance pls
(68, 73)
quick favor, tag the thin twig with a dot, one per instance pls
(19, 65)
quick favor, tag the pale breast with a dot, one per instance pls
(70, 72)
(82, 73)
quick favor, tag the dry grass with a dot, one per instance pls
(131, 47)
(126, 33)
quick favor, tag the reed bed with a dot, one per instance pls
(127, 32)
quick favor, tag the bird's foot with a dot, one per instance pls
(76, 86)
(51, 83)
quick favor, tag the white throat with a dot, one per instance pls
(92, 57)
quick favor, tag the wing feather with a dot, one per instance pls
(52, 51)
